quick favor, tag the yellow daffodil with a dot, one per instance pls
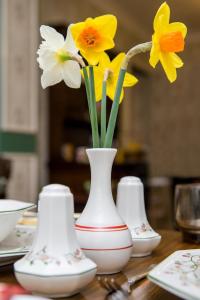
(167, 40)
(93, 36)
(113, 68)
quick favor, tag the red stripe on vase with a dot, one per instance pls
(104, 228)
(109, 249)
(99, 230)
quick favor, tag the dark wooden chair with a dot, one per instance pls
(5, 170)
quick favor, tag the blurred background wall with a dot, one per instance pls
(162, 116)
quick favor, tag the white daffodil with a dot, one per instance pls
(58, 58)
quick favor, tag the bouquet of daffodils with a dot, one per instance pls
(65, 59)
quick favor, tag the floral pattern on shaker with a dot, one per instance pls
(20, 239)
(188, 269)
(24, 235)
(46, 259)
(141, 229)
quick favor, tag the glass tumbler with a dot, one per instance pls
(187, 211)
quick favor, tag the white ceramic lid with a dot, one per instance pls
(55, 188)
(130, 180)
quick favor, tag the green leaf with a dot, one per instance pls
(114, 110)
(103, 114)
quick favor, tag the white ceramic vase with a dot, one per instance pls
(130, 205)
(55, 267)
(101, 233)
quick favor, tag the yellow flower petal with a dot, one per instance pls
(168, 66)
(107, 25)
(76, 29)
(162, 17)
(98, 78)
(121, 96)
(116, 62)
(177, 62)
(154, 53)
(114, 66)
(98, 92)
(91, 56)
(104, 61)
(129, 80)
(106, 43)
(177, 26)
(111, 92)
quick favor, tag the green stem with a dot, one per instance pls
(103, 114)
(95, 131)
(87, 87)
(114, 110)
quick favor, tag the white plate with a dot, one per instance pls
(179, 274)
(10, 212)
(18, 243)
(10, 206)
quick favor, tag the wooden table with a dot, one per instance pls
(144, 290)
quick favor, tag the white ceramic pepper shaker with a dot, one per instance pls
(55, 266)
(130, 205)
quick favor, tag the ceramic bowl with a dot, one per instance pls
(10, 212)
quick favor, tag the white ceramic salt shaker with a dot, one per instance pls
(55, 266)
(130, 205)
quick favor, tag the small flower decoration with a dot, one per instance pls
(113, 68)
(167, 40)
(57, 58)
(94, 36)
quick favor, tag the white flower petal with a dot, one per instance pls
(71, 74)
(53, 38)
(42, 48)
(46, 59)
(51, 77)
(69, 42)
